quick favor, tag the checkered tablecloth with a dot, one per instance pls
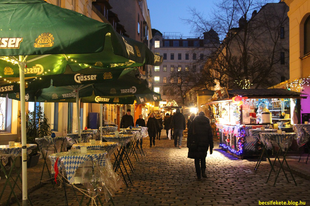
(107, 146)
(302, 133)
(275, 139)
(71, 161)
(255, 132)
(108, 129)
(122, 139)
(6, 151)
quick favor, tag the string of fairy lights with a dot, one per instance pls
(298, 84)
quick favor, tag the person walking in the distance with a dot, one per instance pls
(127, 120)
(167, 122)
(199, 139)
(178, 124)
(153, 127)
(140, 122)
(160, 124)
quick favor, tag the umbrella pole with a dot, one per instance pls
(22, 65)
(78, 114)
(100, 128)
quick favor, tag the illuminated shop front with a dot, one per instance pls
(237, 111)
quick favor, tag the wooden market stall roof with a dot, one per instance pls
(266, 93)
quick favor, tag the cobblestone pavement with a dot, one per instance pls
(165, 176)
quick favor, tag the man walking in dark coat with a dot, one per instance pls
(140, 121)
(199, 139)
(127, 120)
(178, 124)
(167, 122)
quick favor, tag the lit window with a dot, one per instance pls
(157, 89)
(156, 68)
(165, 80)
(157, 44)
(164, 68)
(186, 68)
(172, 68)
(179, 68)
(3, 108)
(172, 80)
(179, 80)
(157, 79)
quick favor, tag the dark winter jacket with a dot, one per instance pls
(152, 125)
(167, 122)
(126, 121)
(160, 123)
(200, 137)
(140, 122)
(178, 121)
(190, 121)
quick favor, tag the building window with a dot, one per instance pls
(179, 68)
(307, 36)
(185, 43)
(179, 56)
(164, 80)
(186, 56)
(172, 56)
(175, 43)
(194, 68)
(179, 80)
(171, 80)
(157, 89)
(164, 68)
(157, 44)
(196, 43)
(172, 68)
(156, 68)
(166, 43)
(186, 68)
(165, 56)
(138, 28)
(157, 79)
(282, 33)
(194, 56)
(282, 58)
(3, 109)
(201, 56)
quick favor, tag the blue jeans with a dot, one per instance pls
(178, 133)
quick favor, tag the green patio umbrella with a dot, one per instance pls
(37, 38)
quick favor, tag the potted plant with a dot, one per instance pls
(36, 126)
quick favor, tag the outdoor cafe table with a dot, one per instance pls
(49, 144)
(8, 153)
(139, 133)
(255, 133)
(107, 146)
(68, 163)
(302, 137)
(122, 154)
(280, 143)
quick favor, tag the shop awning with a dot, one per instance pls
(266, 93)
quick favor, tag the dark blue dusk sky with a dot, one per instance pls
(167, 15)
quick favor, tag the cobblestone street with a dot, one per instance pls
(165, 176)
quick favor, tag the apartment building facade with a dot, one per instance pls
(179, 54)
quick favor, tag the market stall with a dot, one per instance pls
(237, 111)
